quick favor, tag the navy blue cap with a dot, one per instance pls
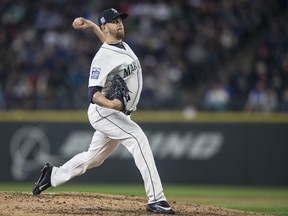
(110, 14)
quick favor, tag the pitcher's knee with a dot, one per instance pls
(95, 163)
(92, 160)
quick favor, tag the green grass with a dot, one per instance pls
(269, 200)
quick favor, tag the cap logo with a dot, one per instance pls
(115, 11)
(102, 20)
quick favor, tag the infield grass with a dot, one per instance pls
(268, 200)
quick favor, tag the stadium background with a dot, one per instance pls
(203, 55)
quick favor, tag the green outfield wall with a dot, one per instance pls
(189, 147)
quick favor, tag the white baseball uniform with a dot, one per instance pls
(114, 127)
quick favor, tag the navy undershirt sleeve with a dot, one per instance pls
(92, 90)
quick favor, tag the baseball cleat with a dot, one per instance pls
(44, 180)
(161, 207)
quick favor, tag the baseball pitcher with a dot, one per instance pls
(114, 88)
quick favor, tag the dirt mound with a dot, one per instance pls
(47, 204)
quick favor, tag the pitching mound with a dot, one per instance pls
(56, 204)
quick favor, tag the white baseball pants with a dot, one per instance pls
(112, 128)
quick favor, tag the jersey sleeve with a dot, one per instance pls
(99, 70)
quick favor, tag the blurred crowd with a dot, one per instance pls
(217, 55)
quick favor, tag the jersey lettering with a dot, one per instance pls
(131, 68)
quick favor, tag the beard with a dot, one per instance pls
(119, 34)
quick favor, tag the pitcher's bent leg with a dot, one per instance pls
(100, 148)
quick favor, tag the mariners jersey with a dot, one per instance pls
(111, 60)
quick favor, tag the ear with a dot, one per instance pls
(104, 28)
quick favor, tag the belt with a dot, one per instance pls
(127, 112)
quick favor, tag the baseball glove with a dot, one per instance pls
(119, 90)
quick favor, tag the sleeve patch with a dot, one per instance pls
(95, 73)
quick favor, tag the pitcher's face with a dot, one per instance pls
(116, 28)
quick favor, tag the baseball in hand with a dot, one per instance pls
(79, 21)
